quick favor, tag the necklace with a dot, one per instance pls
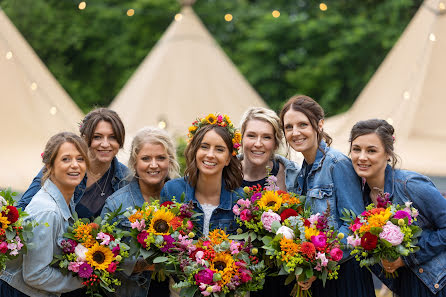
(105, 184)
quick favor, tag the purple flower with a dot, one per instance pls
(186, 210)
(383, 200)
(85, 270)
(256, 197)
(322, 223)
(319, 241)
(68, 245)
(168, 243)
(116, 250)
(401, 214)
(204, 276)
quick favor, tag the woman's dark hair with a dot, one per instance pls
(309, 107)
(52, 148)
(382, 129)
(232, 174)
(91, 120)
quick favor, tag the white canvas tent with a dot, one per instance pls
(33, 107)
(408, 91)
(185, 75)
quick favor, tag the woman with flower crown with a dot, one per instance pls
(328, 181)
(152, 162)
(66, 161)
(423, 273)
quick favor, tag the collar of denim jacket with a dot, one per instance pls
(389, 180)
(225, 196)
(57, 196)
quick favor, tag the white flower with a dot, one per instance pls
(286, 232)
(80, 251)
(3, 201)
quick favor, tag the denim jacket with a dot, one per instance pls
(332, 180)
(31, 273)
(133, 285)
(222, 217)
(118, 181)
(291, 172)
(430, 261)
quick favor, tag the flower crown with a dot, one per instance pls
(218, 120)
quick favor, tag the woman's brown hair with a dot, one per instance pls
(232, 174)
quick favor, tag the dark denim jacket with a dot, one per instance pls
(222, 217)
(332, 180)
(118, 181)
(133, 285)
(430, 261)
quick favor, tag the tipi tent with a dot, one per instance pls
(185, 75)
(34, 107)
(408, 91)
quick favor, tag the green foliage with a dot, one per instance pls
(328, 55)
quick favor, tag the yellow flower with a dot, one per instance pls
(160, 223)
(223, 263)
(211, 119)
(227, 119)
(4, 221)
(376, 220)
(192, 129)
(310, 232)
(99, 256)
(237, 137)
(217, 236)
(270, 200)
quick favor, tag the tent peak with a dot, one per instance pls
(184, 3)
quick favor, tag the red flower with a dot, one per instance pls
(142, 237)
(112, 238)
(13, 214)
(369, 241)
(280, 192)
(288, 213)
(308, 249)
(307, 223)
(167, 204)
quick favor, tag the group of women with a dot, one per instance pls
(83, 174)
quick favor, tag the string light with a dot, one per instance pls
(228, 17)
(82, 5)
(33, 86)
(53, 110)
(9, 55)
(162, 124)
(441, 6)
(406, 95)
(432, 37)
(390, 121)
(323, 6)
(178, 17)
(276, 13)
(130, 12)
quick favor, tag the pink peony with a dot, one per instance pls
(392, 234)
(245, 215)
(142, 237)
(336, 254)
(319, 241)
(236, 210)
(204, 276)
(268, 217)
(112, 267)
(354, 241)
(401, 214)
(80, 251)
(74, 266)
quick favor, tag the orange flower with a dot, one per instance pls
(308, 249)
(289, 248)
(217, 236)
(136, 216)
(83, 234)
(176, 223)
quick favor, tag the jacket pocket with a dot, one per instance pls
(320, 197)
(321, 192)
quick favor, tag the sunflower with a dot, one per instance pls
(223, 263)
(211, 119)
(160, 223)
(99, 257)
(270, 200)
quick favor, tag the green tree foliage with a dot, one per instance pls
(329, 55)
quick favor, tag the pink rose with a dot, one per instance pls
(268, 217)
(319, 241)
(336, 254)
(354, 241)
(392, 234)
(189, 225)
(356, 225)
(245, 215)
(74, 266)
(204, 276)
(236, 210)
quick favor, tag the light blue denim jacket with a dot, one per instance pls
(133, 285)
(292, 170)
(118, 181)
(332, 180)
(429, 263)
(222, 217)
(32, 273)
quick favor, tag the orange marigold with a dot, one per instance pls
(289, 248)
(217, 236)
(136, 216)
(83, 234)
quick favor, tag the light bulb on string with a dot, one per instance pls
(130, 12)
(162, 124)
(228, 17)
(53, 110)
(82, 5)
(323, 6)
(276, 13)
(406, 95)
(441, 6)
(432, 37)
(33, 86)
(9, 55)
(178, 17)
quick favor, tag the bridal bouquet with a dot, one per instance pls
(93, 251)
(14, 230)
(383, 231)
